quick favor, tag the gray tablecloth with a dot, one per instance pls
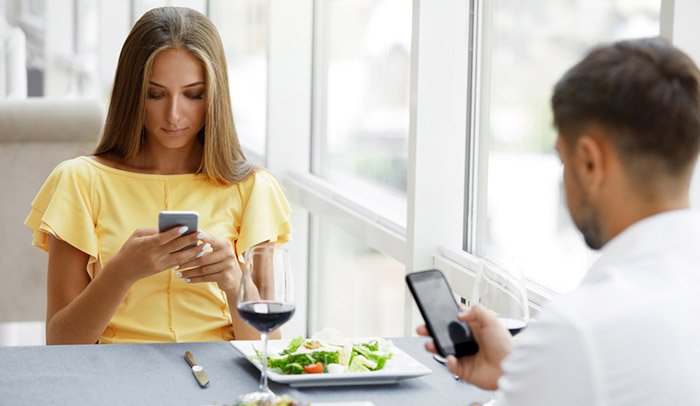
(157, 374)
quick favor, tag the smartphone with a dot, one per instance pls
(439, 309)
(170, 219)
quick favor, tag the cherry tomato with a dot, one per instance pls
(316, 368)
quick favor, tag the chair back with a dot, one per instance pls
(35, 135)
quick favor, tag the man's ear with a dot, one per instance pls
(589, 162)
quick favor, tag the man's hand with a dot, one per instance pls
(483, 368)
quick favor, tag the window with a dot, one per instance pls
(359, 291)
(243, 26)
(361, 106)
(526, 50)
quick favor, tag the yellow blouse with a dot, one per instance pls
(95, 208)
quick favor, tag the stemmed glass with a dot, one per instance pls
(500, 286)
(265, 302)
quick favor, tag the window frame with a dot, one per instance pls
(445, 99)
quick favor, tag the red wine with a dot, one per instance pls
(513, 325)
(265, 316)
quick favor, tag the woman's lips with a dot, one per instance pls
(173, 131)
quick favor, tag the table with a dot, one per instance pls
(157, 374)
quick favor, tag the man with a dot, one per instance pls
(628, 118)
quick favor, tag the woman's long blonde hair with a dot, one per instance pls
(160, 29)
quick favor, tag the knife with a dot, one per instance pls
(198, 371)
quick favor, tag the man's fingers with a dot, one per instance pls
(430, 346)
(422, 330)
(454, 366)
(478, 314)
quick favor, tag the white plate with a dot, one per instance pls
(400, 366)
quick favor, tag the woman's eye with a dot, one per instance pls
(195, 96)
(155, 96)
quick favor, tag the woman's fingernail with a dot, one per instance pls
(201, 235)
(187, 280)
(175, 268)
(204, 248)
(182, 229)
(178, 275)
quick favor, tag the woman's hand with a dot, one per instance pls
(219, 265)
(483, 368)
(148, 252)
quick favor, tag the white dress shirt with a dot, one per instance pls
(628, 335)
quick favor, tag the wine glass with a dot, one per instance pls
(500, 287)
(265, 302)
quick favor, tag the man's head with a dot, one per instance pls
(634, 105)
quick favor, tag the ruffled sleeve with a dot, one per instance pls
(63, 208)
(266, 212)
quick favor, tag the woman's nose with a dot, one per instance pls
(173, 112)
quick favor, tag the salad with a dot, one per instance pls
(316, 356)
(284, 400)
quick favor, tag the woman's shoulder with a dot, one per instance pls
(75, 166)
(263, 188)
(76, 172)
(259, 178)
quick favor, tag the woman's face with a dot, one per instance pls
(175, 104)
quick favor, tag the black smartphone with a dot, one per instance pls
(439, 308)
(170, 219)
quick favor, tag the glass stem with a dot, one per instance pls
(263, 375)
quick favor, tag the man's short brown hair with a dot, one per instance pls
(645, 95)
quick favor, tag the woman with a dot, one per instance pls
(169, 143)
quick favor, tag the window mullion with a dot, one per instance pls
(437, 133)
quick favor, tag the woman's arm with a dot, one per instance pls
(241, 329)
(79, 309)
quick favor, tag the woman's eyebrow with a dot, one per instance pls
(184, 87)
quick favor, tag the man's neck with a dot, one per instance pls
(632, 210)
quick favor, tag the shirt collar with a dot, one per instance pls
(655, 234)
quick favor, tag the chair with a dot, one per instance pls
(35, 135)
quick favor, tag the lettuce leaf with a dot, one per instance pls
(367, 351)
(294, 345)
(356, 365)
(294, 364)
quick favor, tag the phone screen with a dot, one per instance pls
(440, 310)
